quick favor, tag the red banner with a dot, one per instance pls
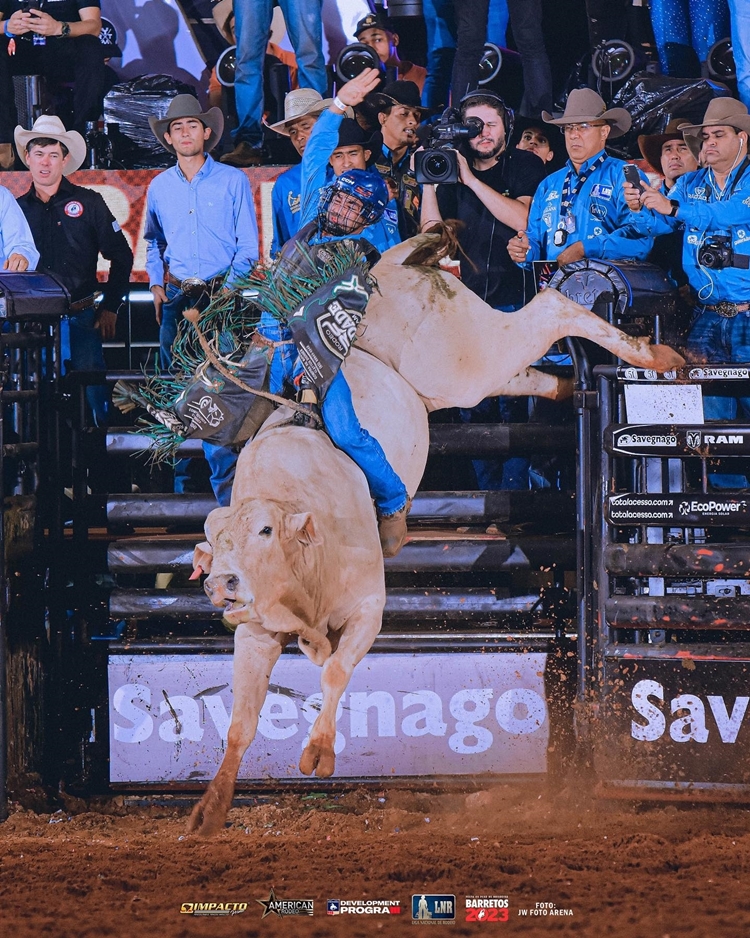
(124, 191)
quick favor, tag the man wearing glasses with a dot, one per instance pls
(580, 211)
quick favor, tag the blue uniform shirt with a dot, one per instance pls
(603, 221)
(203, 227)
(706, 212)
(317, 174)
(15, 234)
(286, 202)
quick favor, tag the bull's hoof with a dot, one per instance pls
(203, 823)
(317, 759)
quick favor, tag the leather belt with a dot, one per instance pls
(727, 309)
(86, 303)
(211, 284)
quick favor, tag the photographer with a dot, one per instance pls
(62, 44)
(492, 200)
(713, 205)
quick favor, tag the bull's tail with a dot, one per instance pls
(316, 646)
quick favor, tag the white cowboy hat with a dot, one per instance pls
(302, 102)
(585, 106)
(52, 127)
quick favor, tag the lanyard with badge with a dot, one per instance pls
(567, 224)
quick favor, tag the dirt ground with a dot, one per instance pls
(648, 871)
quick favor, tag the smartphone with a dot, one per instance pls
(633, 177)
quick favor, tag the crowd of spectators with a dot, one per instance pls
(537, 185)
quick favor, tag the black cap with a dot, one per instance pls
(374, 21)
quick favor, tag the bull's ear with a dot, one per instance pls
(302, 528)
(202, 557)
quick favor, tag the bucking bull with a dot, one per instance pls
(297, 553)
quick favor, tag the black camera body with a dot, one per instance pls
(438, 162)
(716, 253)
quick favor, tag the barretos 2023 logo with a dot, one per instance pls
(487, 909)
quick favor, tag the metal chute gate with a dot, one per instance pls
(503, 649)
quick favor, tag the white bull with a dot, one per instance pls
(455, 350)
(298, 553)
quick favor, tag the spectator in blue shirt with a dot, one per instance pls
(302, 107)
(580, 211)
(17, 248)
(200, 222)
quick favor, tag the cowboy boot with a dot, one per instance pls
(7, 156)
(244, 155)
(392, 530)
(308, 399)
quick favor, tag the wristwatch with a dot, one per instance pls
(675, 205)
(65, 32)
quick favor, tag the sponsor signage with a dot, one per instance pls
(486, 909)
(429, 909)
(677, 509)
(685, 719)
(663, 440)
(693, 373)
(401, 715)
(363, 907)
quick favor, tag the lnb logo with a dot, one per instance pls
(427, 909)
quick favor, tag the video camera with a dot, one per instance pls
(716, 253)
(438, 162)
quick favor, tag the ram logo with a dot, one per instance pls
(694, 438)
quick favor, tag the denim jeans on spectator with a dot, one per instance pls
(739, 13)
(696, 24)
(221, 459)
(81, 345)
(714, 338)
(526, 23)
(304, 25)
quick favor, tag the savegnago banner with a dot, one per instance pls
(401, 715)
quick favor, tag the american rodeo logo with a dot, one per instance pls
(686, 717)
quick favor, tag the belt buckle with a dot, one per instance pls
(726, 309)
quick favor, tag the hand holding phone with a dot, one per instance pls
(633, 177)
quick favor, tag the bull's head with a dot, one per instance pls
(254, 555)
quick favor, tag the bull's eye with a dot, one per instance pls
(266, 531)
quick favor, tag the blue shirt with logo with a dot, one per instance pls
(706, 211)
(317, 174)
(603, 221)
(286, 202)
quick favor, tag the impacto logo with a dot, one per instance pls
(212, 908)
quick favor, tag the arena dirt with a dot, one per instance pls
(648, 871)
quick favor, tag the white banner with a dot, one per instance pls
(401, 715)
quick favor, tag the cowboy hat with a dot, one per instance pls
(185, 105)
(651, 145)
(398, 92)
(223, 12)
(302, 102)
(721, 112)
(352, 135)
(52, 127)
(584, 106)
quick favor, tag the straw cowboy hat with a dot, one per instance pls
(650, 145)
(721, 112)
(302, 102)
(222, 12)
(185, 105)
(50, 126)
(585, 106)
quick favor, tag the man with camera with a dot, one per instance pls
(580, 211)
(376, 30)
(491, 199)
(58, 39)
(713, 205)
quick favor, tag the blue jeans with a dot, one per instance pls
(304, 24)
(341, 422)
(695, 24)
(713, 338)
(222, 460)
(81, 345)
(739, 14)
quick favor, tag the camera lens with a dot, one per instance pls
(354, 59)
(437, 165)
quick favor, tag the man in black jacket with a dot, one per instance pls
(494, 193)
(72, 226)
